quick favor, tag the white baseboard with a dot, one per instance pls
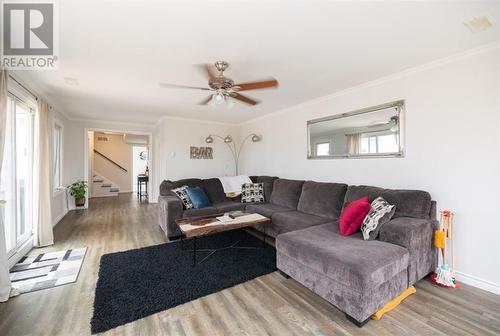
(478, 282)
(58, 218)
(110, 195)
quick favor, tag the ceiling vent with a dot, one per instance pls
(479, 23)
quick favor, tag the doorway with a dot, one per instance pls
(139, 165)
(140, 139)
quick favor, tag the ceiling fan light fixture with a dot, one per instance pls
(223, 88)
(218, 98)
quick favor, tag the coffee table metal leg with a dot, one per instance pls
(264, 237)
(194, 251)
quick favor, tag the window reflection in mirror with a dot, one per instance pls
(374, 131)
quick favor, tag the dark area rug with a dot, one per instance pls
(138, 283)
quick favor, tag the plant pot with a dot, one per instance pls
(80, 201)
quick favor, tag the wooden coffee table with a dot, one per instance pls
(204, 226)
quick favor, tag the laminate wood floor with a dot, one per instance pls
(269, 305)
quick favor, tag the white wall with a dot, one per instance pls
(452, 149)
(176, 136)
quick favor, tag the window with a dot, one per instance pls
(323, 149)
(57, 156)
(16, 180)
(378, 143)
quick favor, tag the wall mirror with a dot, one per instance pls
(371, 132)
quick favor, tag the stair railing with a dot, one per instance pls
(107, 158)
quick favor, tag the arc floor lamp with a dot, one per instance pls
(235, 151)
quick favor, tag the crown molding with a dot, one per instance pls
(398, 75)
(113, 122)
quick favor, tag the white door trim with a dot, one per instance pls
(152, 167)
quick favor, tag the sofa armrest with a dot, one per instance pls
(416, 235)
(406, 232)
(170, 208)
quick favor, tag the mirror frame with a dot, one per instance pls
(399, 105)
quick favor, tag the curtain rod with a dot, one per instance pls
(24, 87)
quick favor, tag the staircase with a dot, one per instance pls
(102, 187)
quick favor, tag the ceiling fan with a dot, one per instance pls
(223, 87)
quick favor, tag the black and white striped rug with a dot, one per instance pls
(46, 270)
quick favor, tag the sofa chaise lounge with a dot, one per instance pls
(355, 275)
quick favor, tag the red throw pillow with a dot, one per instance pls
(352, 216)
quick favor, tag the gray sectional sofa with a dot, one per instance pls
(355, 275)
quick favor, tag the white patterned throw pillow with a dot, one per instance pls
(181, 193)
(252, 193)
(380, 213)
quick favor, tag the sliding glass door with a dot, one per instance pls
(16, 180)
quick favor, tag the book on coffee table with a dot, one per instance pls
(231, 215)
(236, 214)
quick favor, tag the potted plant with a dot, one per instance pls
(78, 190)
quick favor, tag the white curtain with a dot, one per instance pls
(42, 209)
(353, 143)
(4, 264)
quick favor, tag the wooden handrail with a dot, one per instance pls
(113, 162)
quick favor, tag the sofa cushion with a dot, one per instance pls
(198, 197)
(214, 190)
(166, 186)
(207, 211)
(282, 222)
(380, 213)
(228, 206)
(266, 209)
(353, 215)
(268, 184)
(182, 194)
(286, 193)
(409, 203)
(351, 261)
(252, 193)
(322, 199)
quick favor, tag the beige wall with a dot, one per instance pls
(119, 152)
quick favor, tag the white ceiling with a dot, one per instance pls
(119, 51)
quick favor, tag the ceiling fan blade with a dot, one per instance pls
(206, 100)
(176, 86)
(265, 84)
(209, 71)
(245, 99)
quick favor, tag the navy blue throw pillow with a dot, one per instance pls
(197, 197)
